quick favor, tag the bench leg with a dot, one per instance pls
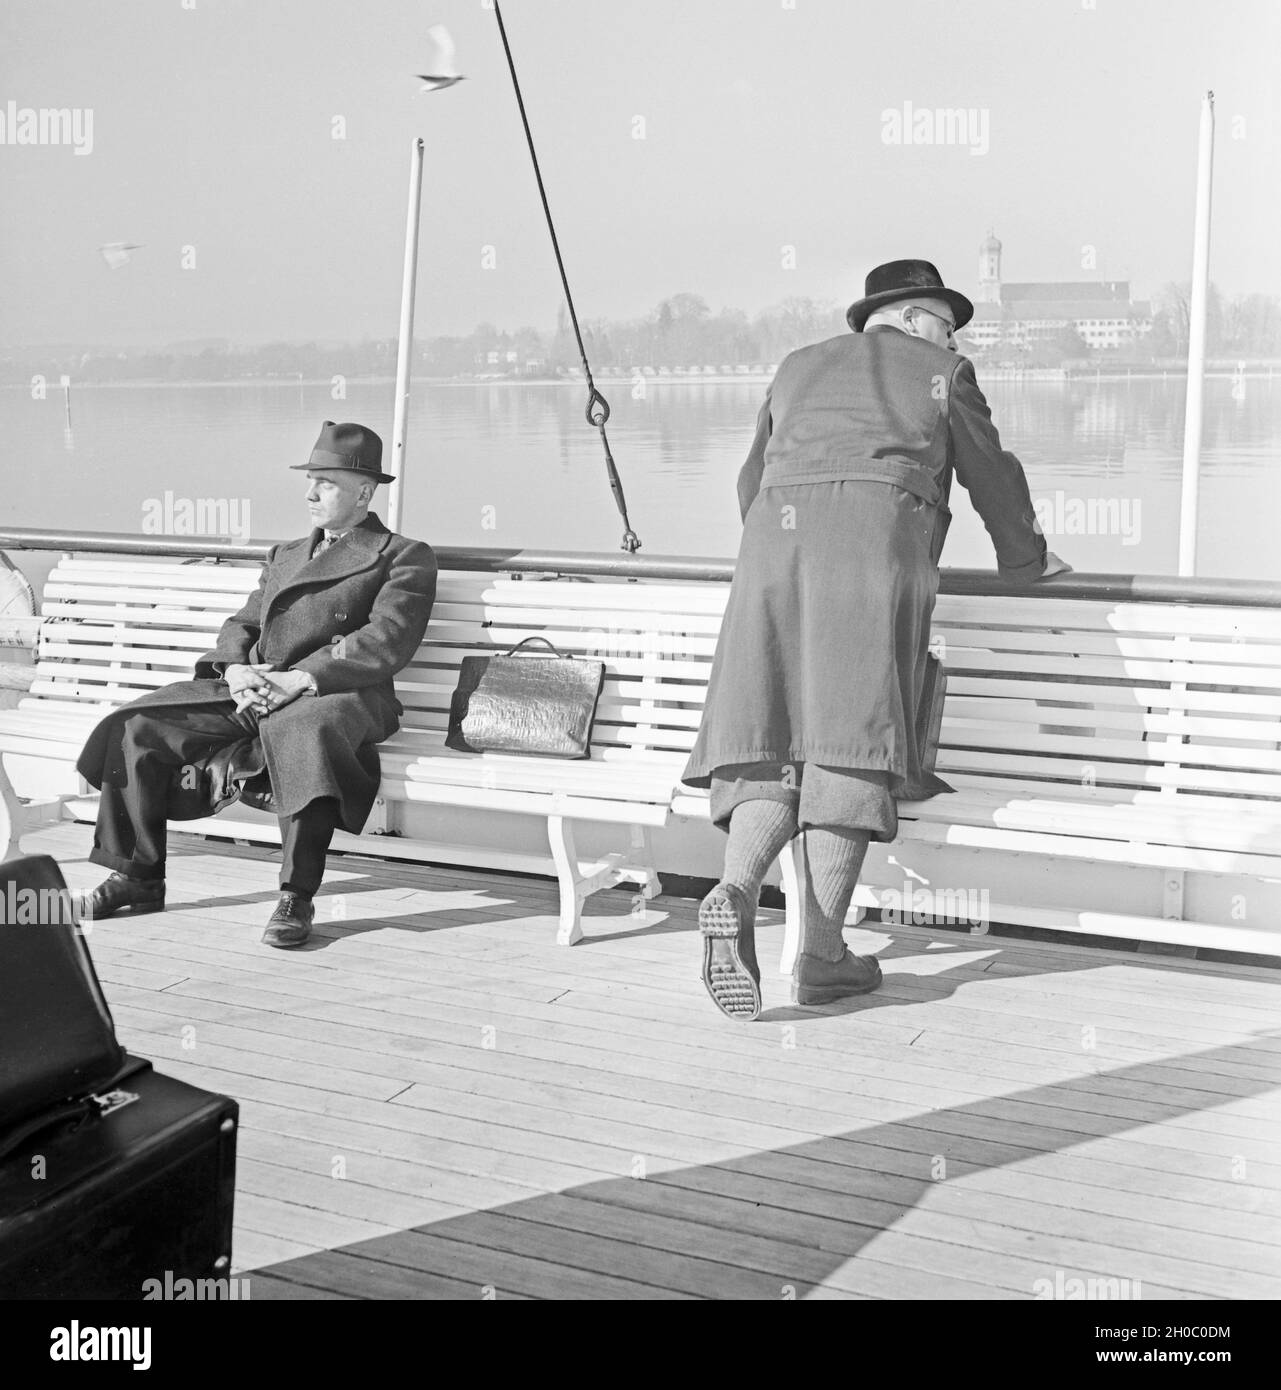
(560, 836)
(792, 866)
(12, 820)
(16, 819)
(643, 870)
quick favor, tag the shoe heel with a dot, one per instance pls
(141, 909)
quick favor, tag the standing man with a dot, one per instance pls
(299, 684)
(810, 721)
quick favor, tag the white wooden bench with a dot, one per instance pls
(114, 628)
(1117, 764)
(1100, 734)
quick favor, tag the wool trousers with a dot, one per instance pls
(147, 750)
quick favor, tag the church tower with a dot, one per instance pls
(990, 270)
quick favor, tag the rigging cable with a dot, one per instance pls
(597, 406)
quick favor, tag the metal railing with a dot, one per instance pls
(1133, 588)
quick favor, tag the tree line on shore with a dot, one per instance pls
(680, 334)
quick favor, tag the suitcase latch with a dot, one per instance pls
(111, 1101)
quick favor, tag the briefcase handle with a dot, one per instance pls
(545, 643)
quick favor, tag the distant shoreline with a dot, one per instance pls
(1265, 369)
(991, 371)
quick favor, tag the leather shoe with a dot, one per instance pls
(290, 924)
(120, 893)
(727, 921)
(816, 981)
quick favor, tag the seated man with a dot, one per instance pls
(306, 666)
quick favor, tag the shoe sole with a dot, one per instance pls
(829, 994)
(133, 909)
(288, 945)
(734, 989)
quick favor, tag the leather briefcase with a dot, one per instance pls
(528, 703)
(929, 724)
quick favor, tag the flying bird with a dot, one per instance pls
(442, 67)
(116, 253)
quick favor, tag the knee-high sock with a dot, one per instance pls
(758, 830)
(834, 859)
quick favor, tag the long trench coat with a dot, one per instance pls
(352, 617)
(822, 652)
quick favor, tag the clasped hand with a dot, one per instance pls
(261, 688)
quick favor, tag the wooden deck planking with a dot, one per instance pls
(1187, 1084)
(794, 1153)
(714, 1080)
(621, 1011)
(473, 1021)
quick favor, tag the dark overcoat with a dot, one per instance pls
(352, 617)
(822, 653)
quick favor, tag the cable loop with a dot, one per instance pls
(597, 409)
(597, 405)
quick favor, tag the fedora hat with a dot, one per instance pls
(347, 449)
(899, 280)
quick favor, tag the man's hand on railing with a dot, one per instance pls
(1053, 566)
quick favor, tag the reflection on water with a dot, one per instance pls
(493, 464)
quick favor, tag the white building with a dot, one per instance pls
(1019, 315)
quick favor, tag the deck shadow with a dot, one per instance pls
(786, 1222)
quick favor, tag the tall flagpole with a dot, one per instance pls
(405, 348)
(1196, 343)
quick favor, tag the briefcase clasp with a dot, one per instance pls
(111, 1101)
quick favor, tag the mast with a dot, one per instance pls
(1196, 343)
(405, 347)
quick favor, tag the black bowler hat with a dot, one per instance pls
(347, 449)
(898, 280)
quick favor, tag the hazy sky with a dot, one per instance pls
(763, 129)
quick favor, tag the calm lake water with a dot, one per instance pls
(516, 465)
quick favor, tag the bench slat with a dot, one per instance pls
(531, 803)
(1149, 648)
(602, 733)
(1129, 669)
(161, 595)
(574, 619)
(1083, 847)
(97, 642)
(653, 667)
(527, 593)
(207, 620)
(964, 733)
(609, 781)
(1087, 615)
(1118, 696)
(423, 690)
(1137, 722)
(656, 646)
(1127, 774)
(421, 741)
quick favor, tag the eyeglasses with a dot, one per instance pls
(951, 327)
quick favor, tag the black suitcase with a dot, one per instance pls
(126, 1203)
(114, 1182)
